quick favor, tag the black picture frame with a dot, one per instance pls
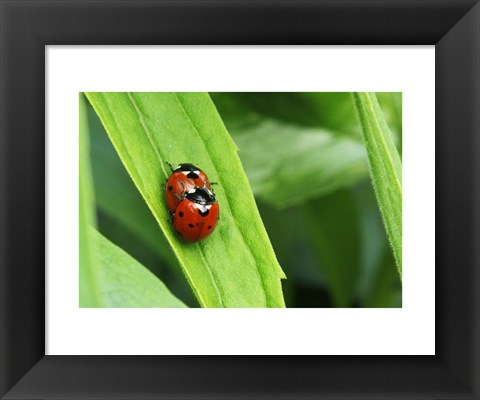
(453, 26)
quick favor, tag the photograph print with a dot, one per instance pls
(240, 200)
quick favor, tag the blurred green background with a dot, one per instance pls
(306, 163)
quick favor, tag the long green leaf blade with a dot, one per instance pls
(111, 180)
(385, 168)
(123, 282)
(88, 290)
(236, 265)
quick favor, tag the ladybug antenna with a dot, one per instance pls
(170, 165)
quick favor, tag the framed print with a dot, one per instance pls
(366, 317)
(119, 61)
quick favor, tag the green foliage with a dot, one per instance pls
(385, 168)
(328, 236)
(109, 277)
(333, 223)
(124, 216)
(124, 282)
(111, 181)
(283, 174)
(235, 266)
(89, 296)
(306, 162)
(288, 161)
(333, 112)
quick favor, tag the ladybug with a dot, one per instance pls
(197, 214)
(183, 179)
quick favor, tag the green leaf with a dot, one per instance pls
(385, 168)
(288, 233)
(334, 227)
(125, 218)
(303, 161)
(331, 111)
(386, 290)
(374, 241)
(236, 265)
(300, 164)
(117, 196)
(88, 290)
(391, 105)
(379, 283)
(124, 282)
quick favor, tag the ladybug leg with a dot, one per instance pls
(211, 184)
(172, 215)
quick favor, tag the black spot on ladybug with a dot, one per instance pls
(203, 212)
(190, 225)
(170, 188)
(192, 175)
(209, 226)
(180, 214)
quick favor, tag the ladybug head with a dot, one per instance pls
(201, 196)
(187, 168)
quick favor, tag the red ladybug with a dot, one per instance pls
(183, 179)
(196, 216)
